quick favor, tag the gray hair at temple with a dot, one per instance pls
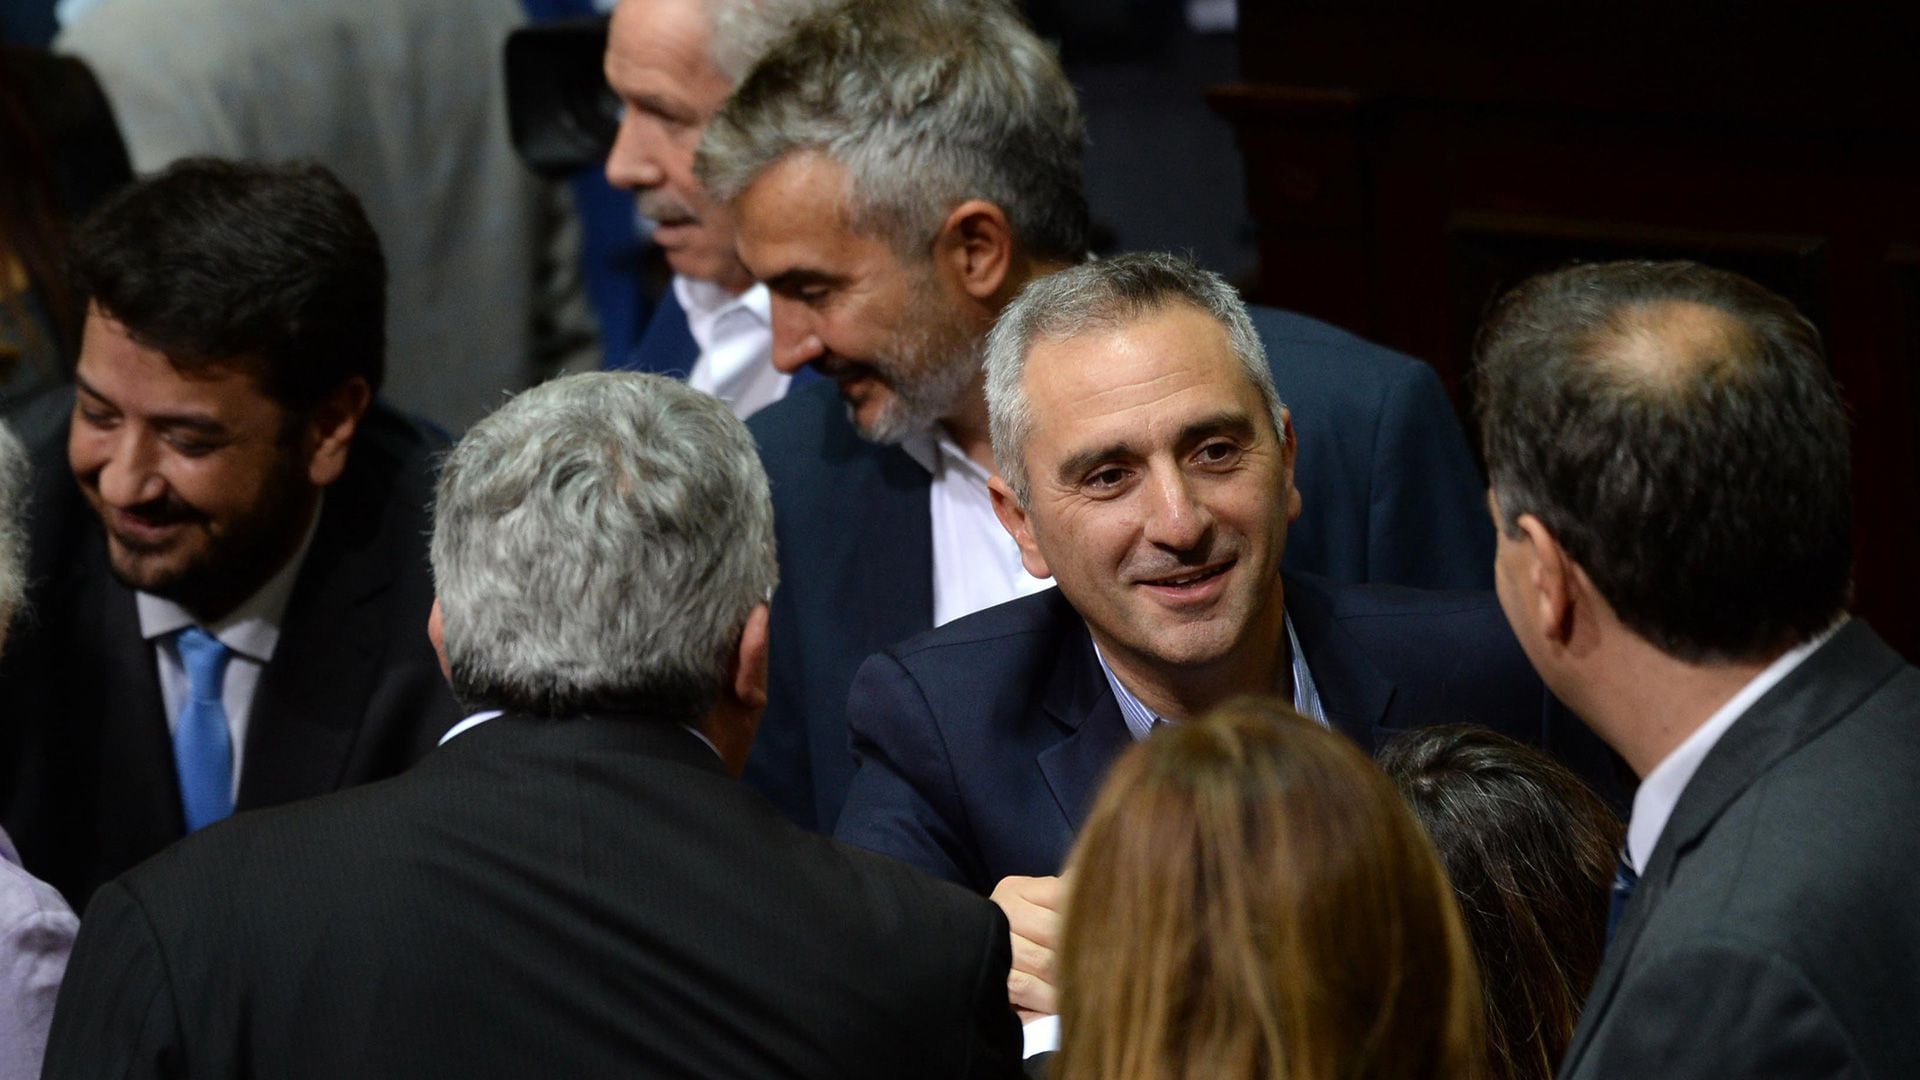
(1099, 297)
(599, 542)
(927, 103)
(16, 476)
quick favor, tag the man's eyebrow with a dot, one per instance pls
(800, 277)
(1233, 423)
(1237, 424)
(1081, 462)
(200, 422)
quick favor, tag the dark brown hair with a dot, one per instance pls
(1250, 897)
(1530, 851)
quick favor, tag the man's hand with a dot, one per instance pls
(1032, 906)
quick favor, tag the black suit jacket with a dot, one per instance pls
(982, 744)
(576, 898)
(1390, 491)
(354, 691)
(1776, 928)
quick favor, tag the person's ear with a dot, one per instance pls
(735, 718)
(331, 427)
(437, 634)
(750, 659)
(1289, 453)
(1019, 525)
(975, 248)
(1559, 584)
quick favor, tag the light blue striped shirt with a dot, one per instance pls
(1141, 720)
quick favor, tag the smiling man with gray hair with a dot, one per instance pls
(573, 884)
(899, 170)
(1148, 469)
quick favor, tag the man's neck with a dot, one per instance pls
(968, 426)
(1259, 665)
(1647, 702)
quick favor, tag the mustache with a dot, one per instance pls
(168, 509)
(662, 207)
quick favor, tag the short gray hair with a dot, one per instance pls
(16, 478)
(743, 30)
(599, 542)
(1097, 297)
(927, 103)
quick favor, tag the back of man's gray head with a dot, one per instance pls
(1094, 298)
(15, 479)
(927, 103)
(599, 542)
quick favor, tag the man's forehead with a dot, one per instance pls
(1176, 349)
(661, 42)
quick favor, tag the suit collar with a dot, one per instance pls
(1355, 694)
(601, 731)
(1078, 700)
(1825, 688)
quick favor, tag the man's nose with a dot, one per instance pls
(130, 474)
(632, 164)
(796, 338)
(1177, 518)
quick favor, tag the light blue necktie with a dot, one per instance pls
(202, 749)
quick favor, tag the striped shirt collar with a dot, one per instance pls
(1141, 720)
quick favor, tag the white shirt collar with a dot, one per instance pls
(1141, 720)
(1660, 792)
(251, 629)
(706, 304)
(485, 715)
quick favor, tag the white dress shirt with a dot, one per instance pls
(735, 335)
(976, 564)
(1660, 792)
(251, 630)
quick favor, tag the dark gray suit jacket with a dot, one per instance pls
(1390, 491)
(1776, 929)
(354, 692)
(584, 897)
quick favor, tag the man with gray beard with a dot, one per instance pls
(573, 884)
(898, 171)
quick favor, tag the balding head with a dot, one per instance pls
(1677, 430)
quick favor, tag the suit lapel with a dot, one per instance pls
(1812, 698)
(138, 793)
(1356, 696)
(1079, 700)
(310, 701)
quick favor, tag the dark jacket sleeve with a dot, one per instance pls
(903, 802)
(996, 1039)
(116, 1015)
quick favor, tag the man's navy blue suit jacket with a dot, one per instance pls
(981, 744)
(1389, 488)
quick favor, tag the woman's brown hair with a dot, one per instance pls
(1530, 850)
(1252, 898)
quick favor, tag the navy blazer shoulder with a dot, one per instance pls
(980, 745)
(1390, 490)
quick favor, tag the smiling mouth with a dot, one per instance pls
(1191, 578)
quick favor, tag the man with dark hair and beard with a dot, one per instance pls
(236, 622)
